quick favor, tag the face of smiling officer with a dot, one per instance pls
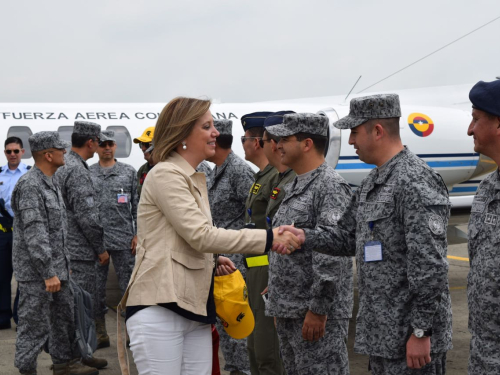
(484, 128)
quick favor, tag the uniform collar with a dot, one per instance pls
(265, 171)
(298, 186)
(21, 167)
(43, 177)
(382, 173)
(229, 159)
(78, 157)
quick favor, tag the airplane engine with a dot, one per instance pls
(332, 152)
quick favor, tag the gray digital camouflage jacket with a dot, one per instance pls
(483, 289)
(408, 204)
(307, 280)
(118, 215)
(39, 251)
(85, 232)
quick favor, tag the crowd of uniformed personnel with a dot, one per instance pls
(62, 220)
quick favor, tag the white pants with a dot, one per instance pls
(163, 342)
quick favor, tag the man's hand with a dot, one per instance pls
(285, 243)
(133, 245)
(418, 352)
(225, 266)
(299, 233)
(53, 284)
(314, 326)
(103, 258)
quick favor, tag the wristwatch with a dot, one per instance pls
(419, 333)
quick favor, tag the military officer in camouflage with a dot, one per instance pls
(262, 348)
(42, 264)
(310, 294)
(228, 186)
(396, 226)
(484, 236)
(285, 174)
(145, 141)
(204, 167)
(116, 185)
(85, 233)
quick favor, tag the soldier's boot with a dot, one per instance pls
(28, 372)
(98, 363)
(74, 367)
(102, 334)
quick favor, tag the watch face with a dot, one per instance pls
(419, 333)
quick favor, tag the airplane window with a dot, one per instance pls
(123, 141)
(65, 133)
(24, 133)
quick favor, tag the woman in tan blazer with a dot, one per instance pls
(169, 301)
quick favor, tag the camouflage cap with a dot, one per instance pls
(370, 107)
(224, 126)
(110, 136)
(45, 140)
(89, 128)
(300, 123)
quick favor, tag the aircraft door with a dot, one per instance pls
(332, 152)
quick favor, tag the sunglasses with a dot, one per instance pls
(144, 144)
(243, 138)
(8, 152)
(106, 144)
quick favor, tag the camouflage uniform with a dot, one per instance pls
(309, 281)
(227, 191)
(39, 253)
(483, 289)
(204, 167)
(141, 176)
(408, 204)
(119, 223)
(85, 232)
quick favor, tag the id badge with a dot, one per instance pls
(122, 198)
(373, 251)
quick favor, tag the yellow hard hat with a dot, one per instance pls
(147, 136)
(231, 305)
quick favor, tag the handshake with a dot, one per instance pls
(287, 239)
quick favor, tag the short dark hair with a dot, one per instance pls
(273, 137)
(224, 141)
(17, 140)
(79, 140)
(391, 125)
(256, 132)
(319, 141)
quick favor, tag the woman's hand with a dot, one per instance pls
(286, 242)
(224, 266)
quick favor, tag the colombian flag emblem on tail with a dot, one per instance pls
(420, 124)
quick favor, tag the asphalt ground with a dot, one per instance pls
(456, 360)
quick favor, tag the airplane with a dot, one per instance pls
(433, 125)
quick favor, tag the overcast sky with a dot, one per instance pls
(235, 51)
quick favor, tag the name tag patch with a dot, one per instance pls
(386, 193)
(122, 198)
(373, 251)
(478, 204)
(256, 188)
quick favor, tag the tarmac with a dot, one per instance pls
(457, 358)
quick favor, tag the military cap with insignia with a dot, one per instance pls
(45, 140)
(89, 128)
(110, 135)
(223, 126)
(300, 123)
(276, 118)
(485, 96)
(370, 107)
(254, 120)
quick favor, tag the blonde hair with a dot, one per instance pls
(175, 123)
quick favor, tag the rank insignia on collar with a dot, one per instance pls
(256, 188)
(274, 193)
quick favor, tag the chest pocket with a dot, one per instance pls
(298, 212)
(485, 217)
(378, 212)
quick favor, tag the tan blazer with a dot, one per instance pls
(176, 237)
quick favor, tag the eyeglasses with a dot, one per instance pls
(144, 144)
(261, 142)
(106, 144)
(16, 151)
(243, 138)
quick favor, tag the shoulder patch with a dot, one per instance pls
(436, 225)
(256, 188)
(274, 193)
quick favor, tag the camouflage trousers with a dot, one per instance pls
(44, 316)
(123, 262)
(327, 356)
(384, 366)
(83, 273)
(484, 356)
(234, 351)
